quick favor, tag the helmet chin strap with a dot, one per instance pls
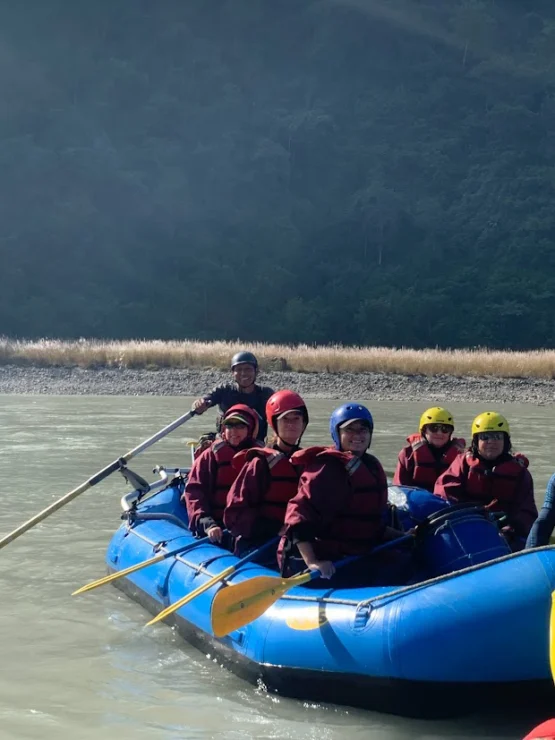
(300, 436)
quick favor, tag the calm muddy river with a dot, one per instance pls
(86, 667)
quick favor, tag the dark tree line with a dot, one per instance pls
(357, 171)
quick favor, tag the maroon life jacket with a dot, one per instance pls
(284, 480)
(225, 475)
(499, 483)
(360, 523)
(428, 468)
(226, 472)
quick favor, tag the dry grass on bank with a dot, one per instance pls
(301, 358)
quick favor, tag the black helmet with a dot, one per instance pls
(244, 358)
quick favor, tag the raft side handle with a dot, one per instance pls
(362, 615)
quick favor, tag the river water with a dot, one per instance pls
(86, 667)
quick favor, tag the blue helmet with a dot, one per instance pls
(348, 412)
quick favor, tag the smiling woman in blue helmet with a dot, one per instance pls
(340, 508)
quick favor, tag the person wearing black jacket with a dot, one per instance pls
(244, 368)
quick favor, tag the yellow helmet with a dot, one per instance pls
(490, 421)
(436, 415)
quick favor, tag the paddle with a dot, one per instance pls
(139, 566)
(211, 582)
(100, 476)
(192, 444)
(237, 605)
(552, 636)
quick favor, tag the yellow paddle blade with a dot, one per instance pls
(552, 636)
(197, 592)
(237, 605)
(118, 574)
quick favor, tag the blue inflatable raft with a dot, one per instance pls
(452, 644)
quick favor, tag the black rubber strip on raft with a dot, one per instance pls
(414, 699)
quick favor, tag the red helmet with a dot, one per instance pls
(280, 403)
(244, 413)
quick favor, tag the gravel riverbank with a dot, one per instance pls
(343, 386)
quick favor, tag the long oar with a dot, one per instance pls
(211, 582)
(192, 444)
(100, 476)
(139, 566)
(237, 605)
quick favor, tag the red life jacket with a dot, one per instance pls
(284, 480)
(226, 472)
(428, 468)
(498, 483)
(360, 524)
(225, 475)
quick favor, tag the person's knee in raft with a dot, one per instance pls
(340, 507)
(213, 473)
(243, 389)
(542, 529)
(430, 452)
(491, 475)
(258, 498)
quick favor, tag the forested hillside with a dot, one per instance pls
(357, 171)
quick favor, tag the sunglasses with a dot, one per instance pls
(444, 428)
(234, 424)
(487, 436)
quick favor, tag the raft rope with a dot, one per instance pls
(405, 590)
(156, 546)
(446, 576)
(380, 599)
